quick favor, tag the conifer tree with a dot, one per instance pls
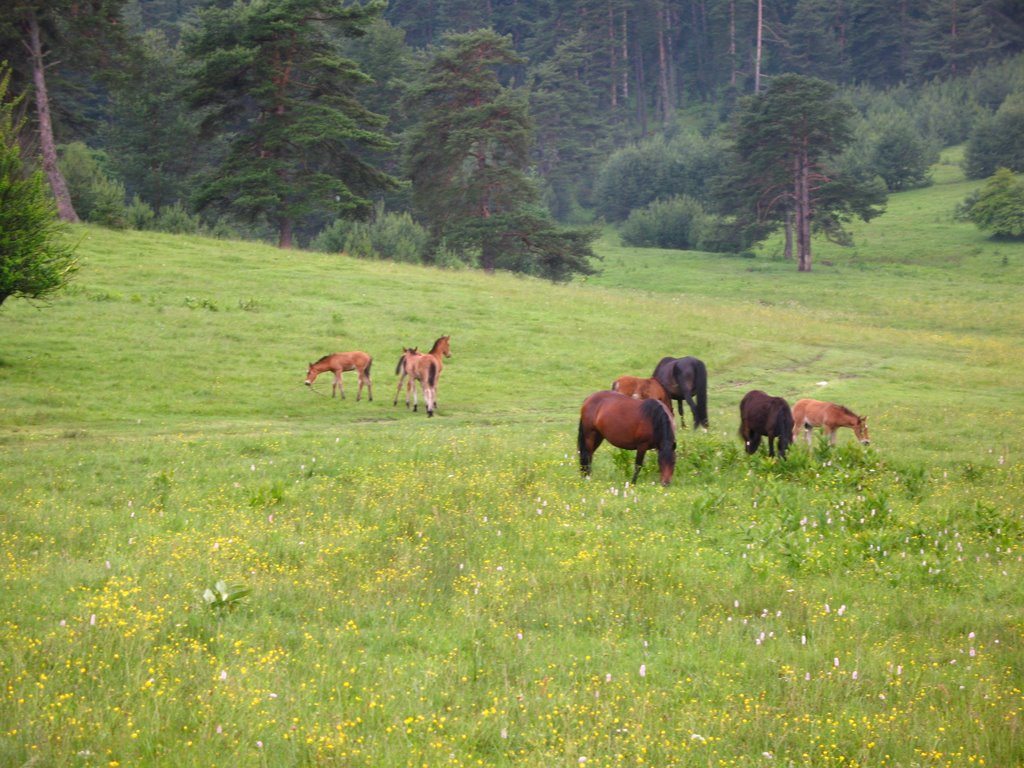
(469, 161)
(272, 82)
(785, 142)
(35, 260)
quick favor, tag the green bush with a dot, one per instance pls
(999, 205)
(997, 141)
(656, 169)
(177, 221)
(97, 197)
(679, 222)
(391, 236)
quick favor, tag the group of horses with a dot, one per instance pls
(414, 367)
(636, 414)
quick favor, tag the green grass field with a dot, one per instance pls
(449, 591)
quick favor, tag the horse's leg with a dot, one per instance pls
(771, 445)
(591, 441)
(641, 452)
(831, 434)
(682, 417)
(369, 387)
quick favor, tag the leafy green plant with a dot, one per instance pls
(224, 597)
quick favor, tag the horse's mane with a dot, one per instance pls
(437, 343)
(846, 410)
(324, 358)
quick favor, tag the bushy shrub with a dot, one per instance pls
(176, 220)
(679, 222)
(656, 169)
(997, 141)
(140, 214)
(97, 197)
(392, 236)
(999, 205)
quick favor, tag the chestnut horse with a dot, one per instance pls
(426, 369)
(626, 422)
(641, 389)
(402, 371)
(762, 415)
(340, 362)
(685, 378)
(808, 414)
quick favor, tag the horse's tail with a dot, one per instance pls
(369, 365)
(664, 430)
(581, 446)
(700, 384)
(784, 427)
(432, 375)
(400, 368)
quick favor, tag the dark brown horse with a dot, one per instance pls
(685, 378)
(625, 422)
(762, 415)
(340, 362)
(808, 414)
(641, 389)
(426, 369)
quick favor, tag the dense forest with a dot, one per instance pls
(497, 132)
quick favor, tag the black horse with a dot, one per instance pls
(685, 378)
(762, 415)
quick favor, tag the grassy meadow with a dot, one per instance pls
(449, 591)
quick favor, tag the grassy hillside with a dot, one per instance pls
(448, 591)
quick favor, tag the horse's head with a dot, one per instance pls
(442, 346)
(860, 429)
(310, 376)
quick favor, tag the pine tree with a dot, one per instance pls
(468, 160)
(784, 141)
(269, 76)
(35, 259)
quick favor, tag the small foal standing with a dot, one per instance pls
(340, 362)
(808, 414)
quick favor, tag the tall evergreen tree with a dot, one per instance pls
(268, 74)
(82, 36)
(35, 259)
(569, 130)
(468, 160)
(784, 142)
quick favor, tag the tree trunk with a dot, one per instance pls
(641, 93)
(65, 209)
(757, 56)
(284, 233)
(732, 43)
(667, 107)
(803, 213)
(787, 251)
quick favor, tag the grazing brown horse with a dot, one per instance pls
(426, 369)
(685, 378)
(762, 415)
(641, 389)
(808, 414)
(626, 422)
(402, 371)
(340, 362)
